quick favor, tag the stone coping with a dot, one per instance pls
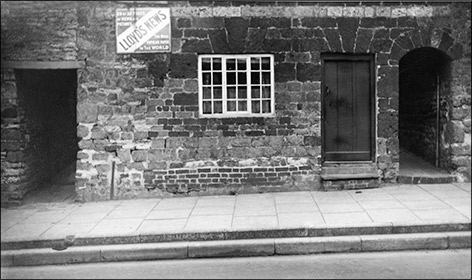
(394, 11)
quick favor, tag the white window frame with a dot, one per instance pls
(236, 114)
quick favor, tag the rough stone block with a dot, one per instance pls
(100, 156)
(124, 155)
(335, 11)
(139, 155)
(412, 241)
(459, 240)
(255, 39)
(333, 38)
(183, 66)
(314, 245)
(138, 252)
(87, 112)
(103, 168)
(196, 45)
(7, 258)
(186, 99)
(82, 131)
(455, 132)
(308, 72)
(11, 134)
(85, 144)
(284, 72)
(158, 155)
(348, 30)
(34, 257)
(231, 248)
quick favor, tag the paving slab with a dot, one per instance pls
(214, 210)
(380, 204)
(296, 207)
(169, 214)
(216, 201)
(300, 218)
(209, 222)
(249, 222)
(60, 231)
(392, 215)
(340, 208)
(450, 215)
(425, 204)
(255, 210)
(350, 218)
(168, 225)
(113, 226)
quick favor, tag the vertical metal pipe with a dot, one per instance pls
(112, 186)
(438, 118)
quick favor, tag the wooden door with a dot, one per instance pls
(348, 108)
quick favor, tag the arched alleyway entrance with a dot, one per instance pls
(424, 106)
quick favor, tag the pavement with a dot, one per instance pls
(393, 217)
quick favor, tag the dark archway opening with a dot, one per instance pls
(423, 112)
(49, 102)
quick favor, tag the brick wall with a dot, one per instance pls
(141, 112)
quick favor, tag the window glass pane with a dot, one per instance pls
(218, 107)
(206, 107)
(242, 92)
(241, 64)
(206, 92)
(206, 78)
(242, 78)
(265, 92)
(206, 63)
(255, 63)
(266, 78)
(217, 78)
(242, 106)
(255, 78)
(231, 64)
(256, 107)
(231, 92)
(265, 63)
(255, 92)
(231, 78)
(266, 106)
(216, 63)
(232, 106)
(217, 92)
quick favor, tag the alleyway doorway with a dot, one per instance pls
(424, 103)
(50, 102)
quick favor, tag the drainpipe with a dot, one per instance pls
(112, 186)
(438, 115)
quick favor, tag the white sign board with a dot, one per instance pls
(143, 30)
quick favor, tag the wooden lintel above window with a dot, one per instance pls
(73, 64)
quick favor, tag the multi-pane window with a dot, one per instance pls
(236, 85)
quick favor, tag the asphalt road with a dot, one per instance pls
(452, 264)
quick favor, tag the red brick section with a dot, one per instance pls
(174, 180)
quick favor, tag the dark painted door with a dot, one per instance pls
(347, 108)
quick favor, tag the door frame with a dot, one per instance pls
(350, 57)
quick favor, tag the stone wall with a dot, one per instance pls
(140, 111)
